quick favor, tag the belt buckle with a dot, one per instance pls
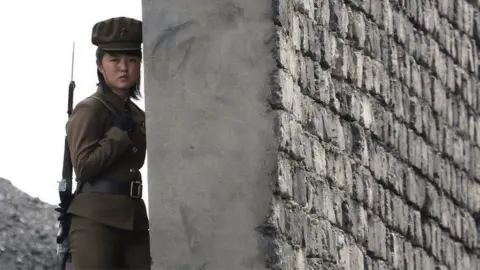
(136, 189)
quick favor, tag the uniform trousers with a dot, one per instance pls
(95, 246)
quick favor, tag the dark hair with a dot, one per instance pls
(135, 90)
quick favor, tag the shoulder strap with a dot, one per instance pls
(137, 107)
(106, 104)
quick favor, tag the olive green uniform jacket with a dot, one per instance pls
(100, 150)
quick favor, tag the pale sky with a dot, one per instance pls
(36, 44)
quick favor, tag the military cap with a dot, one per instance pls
(118, 34)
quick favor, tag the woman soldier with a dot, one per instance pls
(106, 136)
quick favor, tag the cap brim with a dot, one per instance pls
(120, 47)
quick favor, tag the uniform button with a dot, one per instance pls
(132, 170)
(134, 149)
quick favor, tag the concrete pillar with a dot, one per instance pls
(211, 142)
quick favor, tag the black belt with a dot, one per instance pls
(133, 189)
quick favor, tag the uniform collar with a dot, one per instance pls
(113, 98)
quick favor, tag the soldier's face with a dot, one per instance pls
(120, 71)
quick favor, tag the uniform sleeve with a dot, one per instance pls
(90, 153)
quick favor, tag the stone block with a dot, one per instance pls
(322, 13)
(415, 188)
(356, 28)
(476, 27)
(286, 94)
(321, 241)
(339, 18)
(283, 14)
(328, 47)
(395, 179)
(439, 97)
(372, 47)
(300, 186)
(342, 61)
(333, 129)
(439, 63)
(408, 255)
(377, 234)
(284, 178)
(295, 221)
(335, 169)
(307, 77)
(323, 85)
(449, 80)
(286, 56)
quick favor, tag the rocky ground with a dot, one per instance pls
(27, 230)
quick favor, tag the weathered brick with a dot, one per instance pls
(321, 241)
(449, 80)
(319, 159)
(290, 136)
(342, 61)
(432, 201)
(338, 18)
(373, 41)
(284, 183)
(333, 129)
(399, 27)
(323, 85)
(408, 255)
(403, 141)
(356, 28)
(414, 232)
(322, 12)
(286, 57)
(476, 27)
(285, 94)
(328, 47)
(359, 144)
(439, 97)
(414, 188)
(395, 246)
(325, 203)
(307, 76)
(468, 95)
(282, 11)
(295, 221)
(356, 220)
(313, 120)
(439, 63)
(296, 34)
(355, 68)
(305, 7)
(336, 169)
(376, 237)
(300, 186)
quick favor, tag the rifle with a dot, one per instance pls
(65, 188)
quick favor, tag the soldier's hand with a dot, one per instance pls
(63, 215)
(123, 122)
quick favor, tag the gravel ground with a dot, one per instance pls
(27, 230)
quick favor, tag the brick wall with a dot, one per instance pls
(379, 132)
